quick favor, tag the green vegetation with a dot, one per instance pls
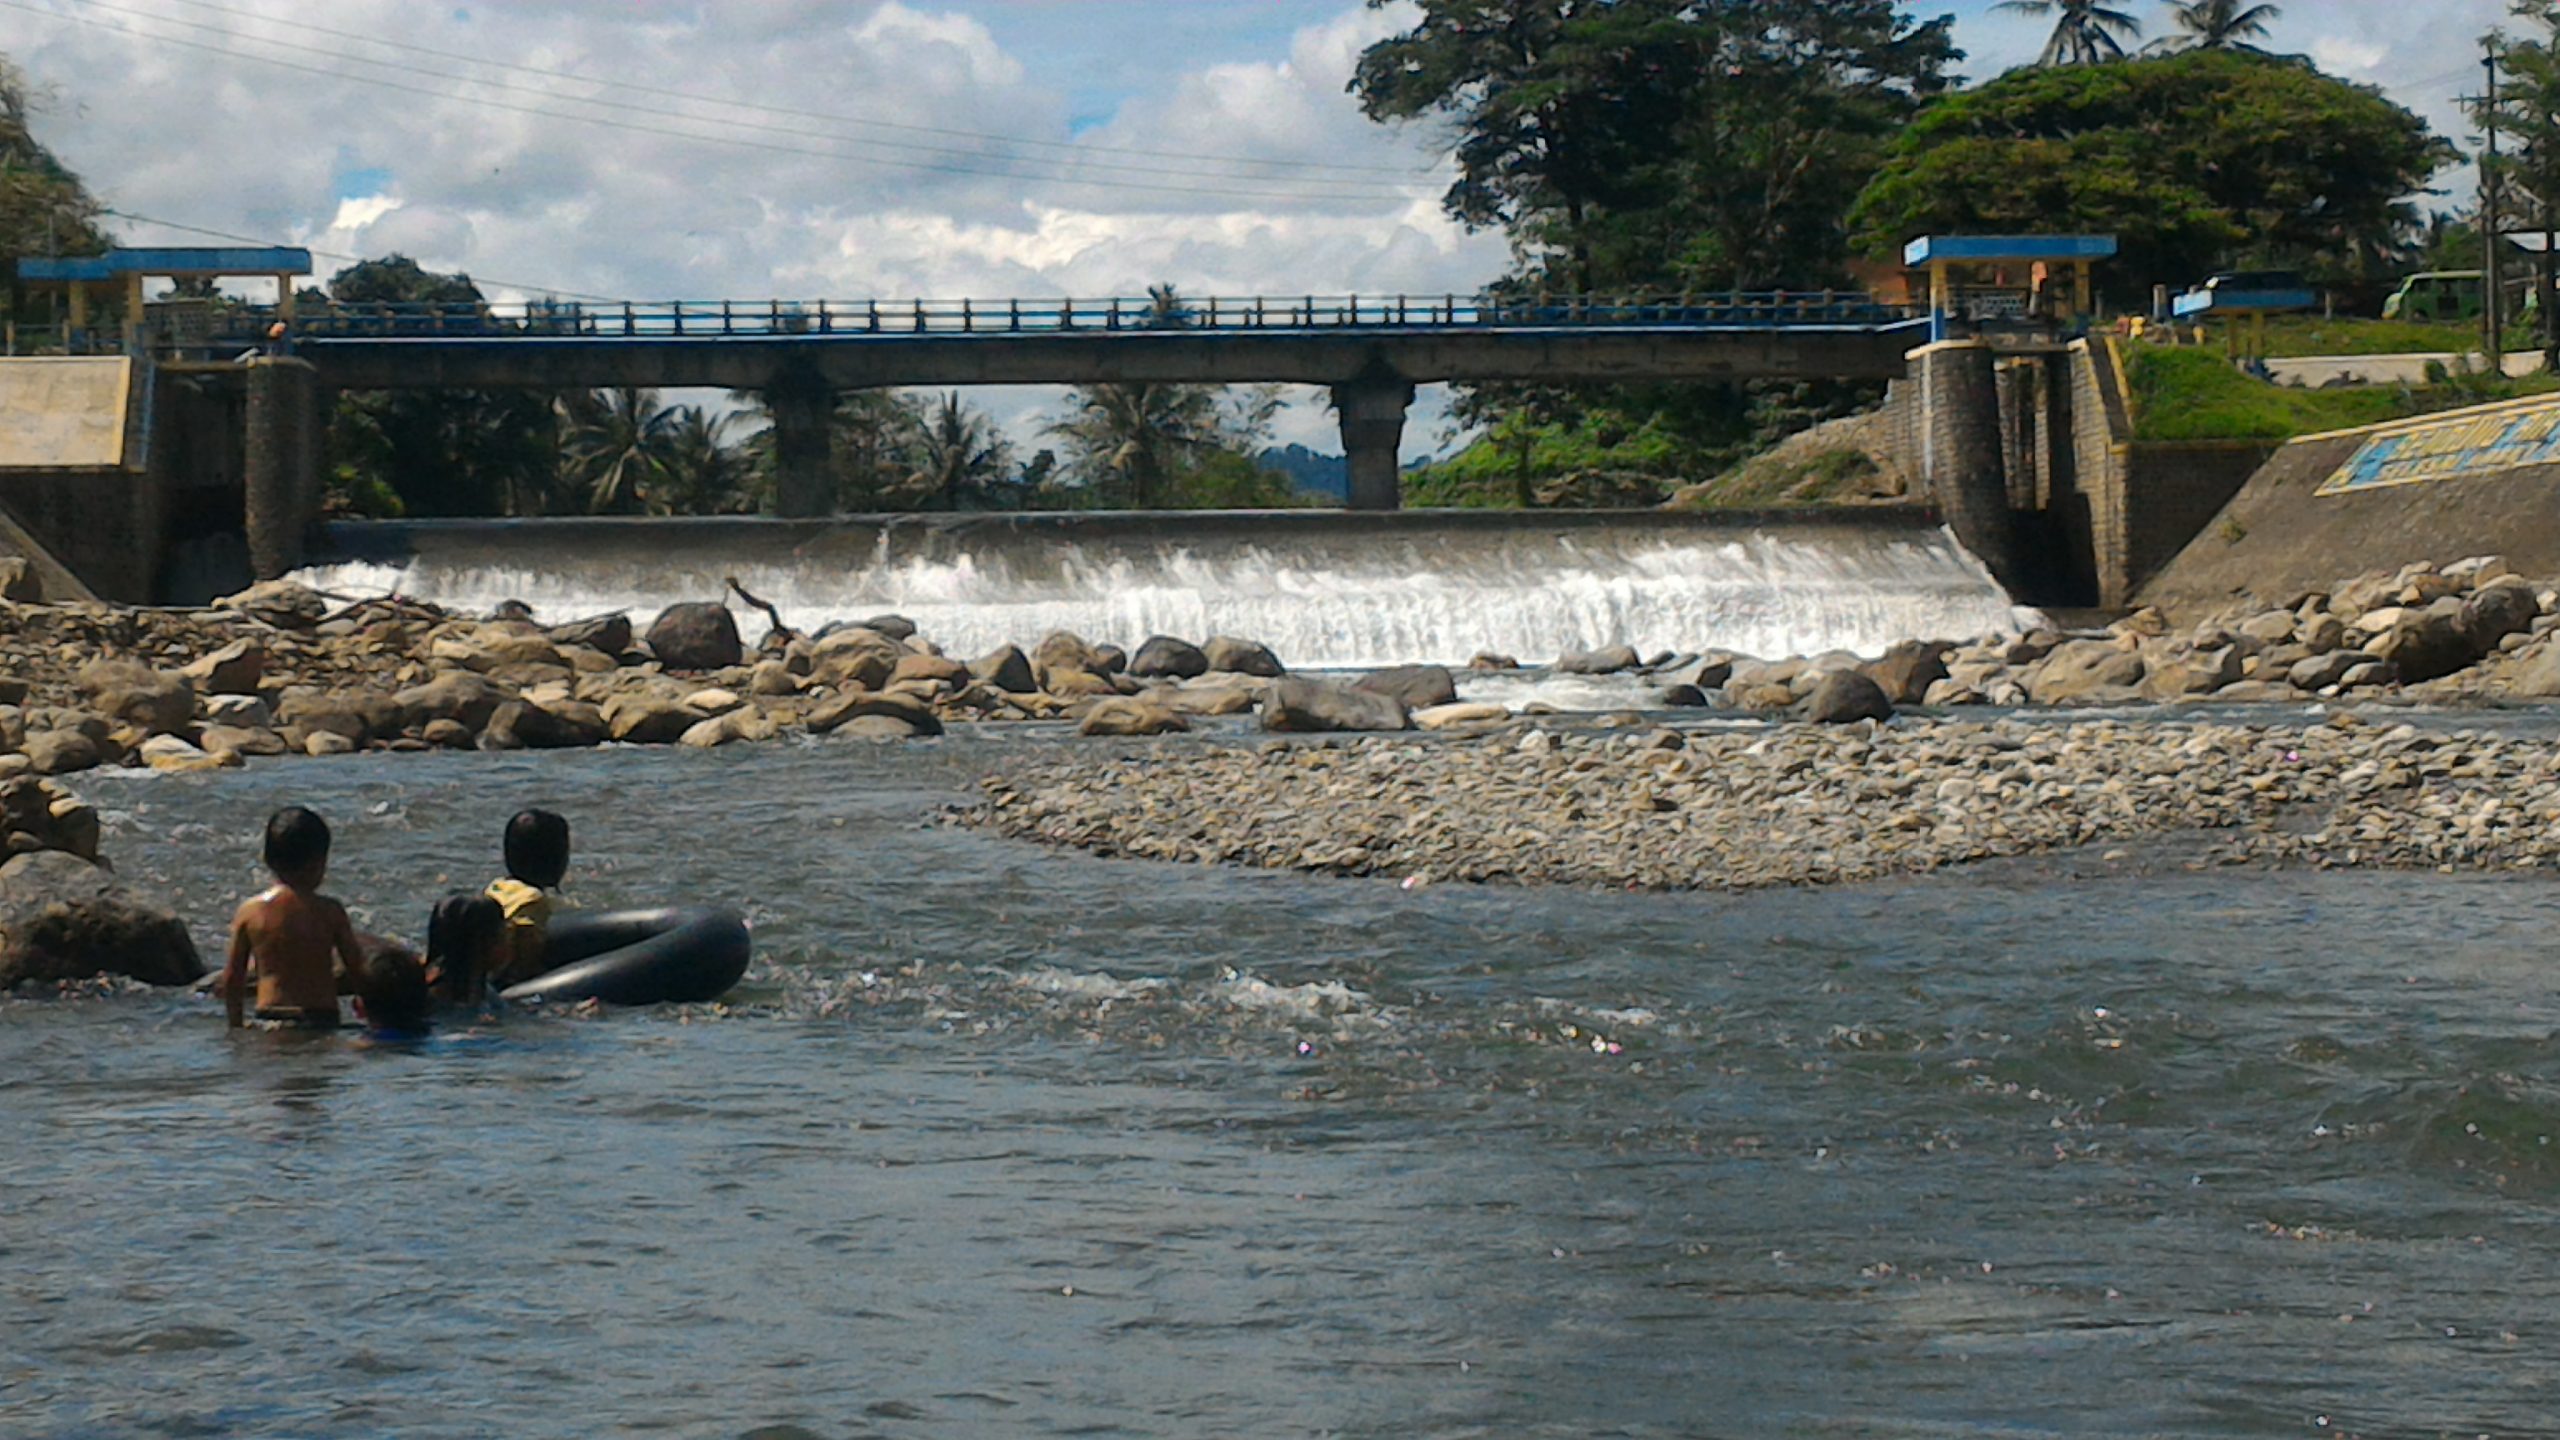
(2199, 395)
(2289, 335)
(2198, 161)
(1521, 464)
(44, 207)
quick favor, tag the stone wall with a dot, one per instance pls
(2143, 501)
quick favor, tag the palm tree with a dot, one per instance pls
(2084, 31)
(959, 451)
(705, 475)
(616, 444)
(1132, 439)
(2220, 24)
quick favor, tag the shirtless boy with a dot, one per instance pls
(296, 936)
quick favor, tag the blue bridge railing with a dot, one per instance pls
(772, 319)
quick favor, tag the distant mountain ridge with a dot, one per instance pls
(1316, 473)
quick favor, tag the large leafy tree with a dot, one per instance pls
(617, 447)
(2220, 24)
(2085, 32)
(2195, 162)
(44, 209)
(2528, 168)
(1641, 144)
(959, 455)
(1128, 442)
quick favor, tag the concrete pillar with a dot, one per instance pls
(803, 454)
(281, 464)
(1961, 455)
(1372, 414)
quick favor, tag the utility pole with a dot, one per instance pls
(2493, 296)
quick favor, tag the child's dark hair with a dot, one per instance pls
(463, 932)
(297, 839)
(393, 988)
(538, 848)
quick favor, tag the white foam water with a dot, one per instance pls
(1339, 599)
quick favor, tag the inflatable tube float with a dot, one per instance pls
(640, 957)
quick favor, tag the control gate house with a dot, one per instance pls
(1979, 282)
(87, 279)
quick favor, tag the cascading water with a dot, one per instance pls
(1326, 591)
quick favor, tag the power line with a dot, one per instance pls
(1075, 148)
(629, 126)
(341, 255)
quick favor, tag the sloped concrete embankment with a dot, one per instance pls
(2435, 489)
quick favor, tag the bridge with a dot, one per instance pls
(1370, 352)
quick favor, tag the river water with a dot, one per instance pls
(999, 1141)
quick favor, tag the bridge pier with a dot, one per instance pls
(1961, 456)
(1372, 414)
(281, 469)
(803, 413)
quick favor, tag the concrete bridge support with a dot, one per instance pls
(1372, 414)
(803, 411)
(281, 468)
(1962, 458)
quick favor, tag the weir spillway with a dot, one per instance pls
(1324, 589)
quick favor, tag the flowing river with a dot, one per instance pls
(999, 1141)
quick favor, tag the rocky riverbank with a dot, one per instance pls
(1663, 809)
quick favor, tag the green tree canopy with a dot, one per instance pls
(2196, 161)
(1660, 144)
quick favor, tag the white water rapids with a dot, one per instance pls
(1334, 596)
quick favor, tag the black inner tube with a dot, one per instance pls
(680, 955)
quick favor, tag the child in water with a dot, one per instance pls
(295, 935)
(392, 995)
(537, 847)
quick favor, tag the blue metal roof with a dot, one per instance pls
(2244, 302)
(253, 260)
(1987, 248)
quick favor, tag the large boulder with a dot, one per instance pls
(1607, 660)
(134, 694)
(2082, 671)
(649, 717)
(1007, 669)
(940, 669)
(1318, 707)
(1231, 656)
(2428, 644)
(1416, 687)
(461, 696)
(235, 669)
(698, 635)
(62, 918)
(279, 603)
(61, 752)
(1847, 695)
(2197, 673)
(606, 634)
(1165, 658)
(552, 725)
(1906, 671)
(305, 710)
(2320, 672)
(2496, 611)
(1065, 650)
(1126, 717)
(856, 658)
(844, 711)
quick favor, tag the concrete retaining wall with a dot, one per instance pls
(2279, 539)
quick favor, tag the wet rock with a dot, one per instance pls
(856, 657)
(1065, 650)
(1684, 697)
(134, 694)
(61, 752)
(2498, 611)
(170, 754)
(62, 918)
(1714, 672)
(772, 679)
(279, 603)
(1459, 716)
(460, 696)
(1844, 696)
(696, 636)
(2086, 671)
(896, 627)
(1214, 699)
(605, 634)
(552, 725)
(879, 728)
(446, 734)
(244, 711)
(2377, 675)
(1231, 656)
(1488, 660)
(1762, 697)
(1166, 658)
(841, 713)
(935, 668)
(242, 740)
(1007, 669)
(2322, 671)
(736, 726)
(1127, 717)
(236, 669)
(322, 743)
(2201, 673)
(2428, 644)
(1906, 671)
(1317, 707)
(1115, 661)
(1076, 684)
(1416, 687)
(1607, 660)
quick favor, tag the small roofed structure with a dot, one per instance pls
(2246, 298)
(1992, 280)
(125, 270)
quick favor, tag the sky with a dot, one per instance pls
(850, 149)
